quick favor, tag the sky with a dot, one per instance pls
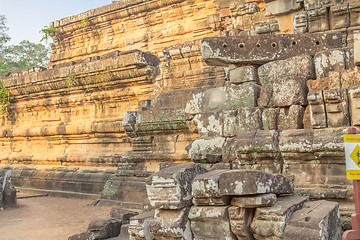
(25, 18)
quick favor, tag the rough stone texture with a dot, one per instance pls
(270, 222)
(7, 192)
(270, 118)
(329, 60)
(81, 236)
(122, 214)
(104, 228)
(230, 123)
(357, 48)
(245, 182)
(206, 149)
(321, 219)
(124, 232)
(318, 20)
(249, 119)
(139, 226)
(355, 105)
(339, 16)
(317, 109)
(243, 95)
(291, 118)
(337, 107)
(262, 200)
(209, 125)
(170, 188)
(289, 92)
(279, 7)
(210, 223)
(215, 51)
(298, 67)
(171, 224)
(243, 74)
(205, 189)
(301, 22)
(240, 221)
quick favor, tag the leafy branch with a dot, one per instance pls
(48, 32)
(4, 98)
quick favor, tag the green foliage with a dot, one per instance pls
(4, 98)
(85, 23)
(47, 31)
(70, 80)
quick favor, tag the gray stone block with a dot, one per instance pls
(240, 221)
(262, 200)
(242, 95)
(317, 109)
(279, 7)
(139, 226)
(329, 60)
(243, 74)
(291, 118)
(104, 228)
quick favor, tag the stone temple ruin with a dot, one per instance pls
(231, 89)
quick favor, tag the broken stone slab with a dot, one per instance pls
(317, 109)
(171, 224)
(262, 200)
(337, 107)
(210, 223)
(170, 188)
(206, 150)
(205, 189)
(220, 51)
(104, 228)
(241, 95)
(321, 219)
(328, 61)
(139, 226)
(271, 221)
(122, 214)
(240, 221)
(247, 182)
(291, 118)
(298, 67)
(243, 74)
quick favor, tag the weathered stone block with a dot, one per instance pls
(298, 67)
(246, 182)
(243, 95)
(291, 118)
(170, 188)
(209, 124)
(301, 22)
(329, 60)
(270, 118)
(122, 214)
(240, 221)
(337, 107)
(220, 51)
(290, 92)
(243, 74)
(171, 224)
(279, 7)
(205, 189)
(129, 123)
(357, 47)
(339, 16)
(230, 123)
(262, 200)
(249, 119)
(139, 226)
(266, 96)
(354, 93)
(7, 192)
(307, 118)
(210, 223)
(270, 222)
(104, 228)
(214, 21)
(354, 9)
(317, 109)
(81, 236)
(202, 150)
(210, 100)
(318, 20)
(297, 144)
(321, 219)
(124, 232)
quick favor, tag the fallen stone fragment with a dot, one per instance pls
(247, 182)
(139, 226)
(124, 233)
(104, 228)
(205, 189)
(210, 223)
(81, 236)
(270, 222)
(122, 214)
(262, 200)
(170, 188)
(171, 224)
(316, 220)
(240, 221)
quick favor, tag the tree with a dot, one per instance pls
(17, 58)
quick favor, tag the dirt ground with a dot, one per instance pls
(48, 218)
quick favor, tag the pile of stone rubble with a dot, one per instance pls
(192, 203)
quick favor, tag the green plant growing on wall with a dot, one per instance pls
(4, 98)
(85, 23)
(70, 80)
(48, 31)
